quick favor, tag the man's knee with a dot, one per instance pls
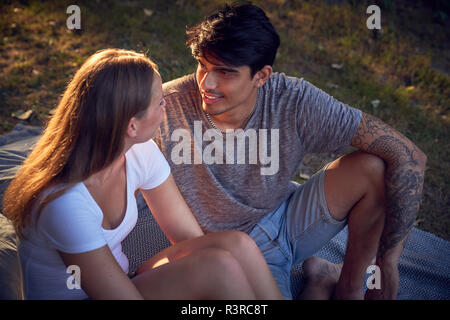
(375, 166)
(369, 166)
(372, 169)
(375, 169)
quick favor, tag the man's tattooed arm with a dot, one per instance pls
(405, 169)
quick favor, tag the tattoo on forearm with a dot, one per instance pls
(404, 178)
(403, 191)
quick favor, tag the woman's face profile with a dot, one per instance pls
(150, 121)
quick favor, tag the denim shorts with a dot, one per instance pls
(296, 230)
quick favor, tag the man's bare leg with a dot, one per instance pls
(354, 186)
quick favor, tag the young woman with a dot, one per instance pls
(72, 202)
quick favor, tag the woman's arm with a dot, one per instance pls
(101, 276)
(171, 211)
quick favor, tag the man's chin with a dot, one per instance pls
(213, 109)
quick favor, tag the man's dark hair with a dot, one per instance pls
(237, 35)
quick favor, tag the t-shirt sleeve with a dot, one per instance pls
(70, 226)
(155, 167)
(324, 123)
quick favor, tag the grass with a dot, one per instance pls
(405, 65)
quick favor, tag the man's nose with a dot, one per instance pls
(209, 81)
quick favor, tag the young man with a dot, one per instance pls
(235, 133)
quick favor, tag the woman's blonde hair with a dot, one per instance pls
(87, 131)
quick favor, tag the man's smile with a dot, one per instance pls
(210, 98)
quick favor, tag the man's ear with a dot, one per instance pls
(132, 128)
(263, 75)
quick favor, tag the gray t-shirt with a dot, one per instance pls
(230, 181)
